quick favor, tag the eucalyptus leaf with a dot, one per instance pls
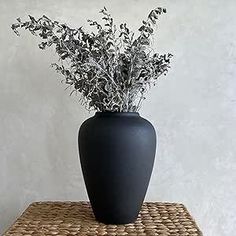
(111, 68)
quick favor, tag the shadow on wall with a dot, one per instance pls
(37, 175)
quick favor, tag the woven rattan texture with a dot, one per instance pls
(76, 218)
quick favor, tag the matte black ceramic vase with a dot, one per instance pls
(117, 151)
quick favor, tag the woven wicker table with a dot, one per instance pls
(76, 218)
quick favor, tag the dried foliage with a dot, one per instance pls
(111, 68)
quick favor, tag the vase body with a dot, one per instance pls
(117, 151)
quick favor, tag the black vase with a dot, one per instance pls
(117, 151)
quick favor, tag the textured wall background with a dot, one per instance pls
(194, 109)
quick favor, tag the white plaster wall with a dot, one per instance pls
(194, 108)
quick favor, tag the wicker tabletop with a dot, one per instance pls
(76, 218)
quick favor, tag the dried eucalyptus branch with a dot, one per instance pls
(110, 68)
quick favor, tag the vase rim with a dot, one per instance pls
(116, 113)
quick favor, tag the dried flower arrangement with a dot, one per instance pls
(111, 69)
